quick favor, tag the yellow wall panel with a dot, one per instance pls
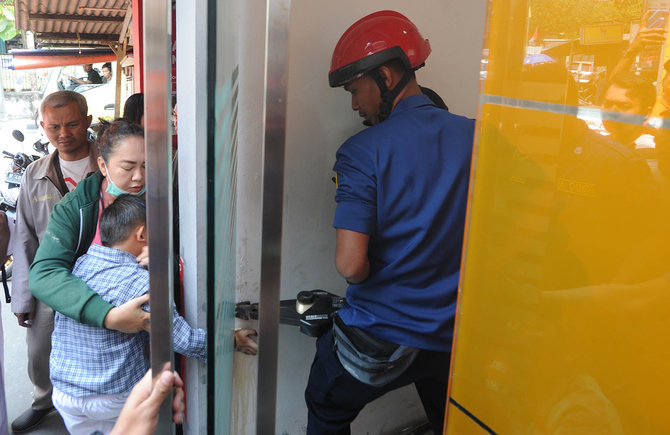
(461, 423)
(564, 312)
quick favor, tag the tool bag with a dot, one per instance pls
(369, 359)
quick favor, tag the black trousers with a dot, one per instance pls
(334, 397)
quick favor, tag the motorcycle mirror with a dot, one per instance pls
(17, 135)
(41, 147)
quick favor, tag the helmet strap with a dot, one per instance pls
(388, 95)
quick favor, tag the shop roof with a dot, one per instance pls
(72, 23)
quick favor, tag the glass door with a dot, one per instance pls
(221, 210)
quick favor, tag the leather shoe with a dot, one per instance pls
(29, 419)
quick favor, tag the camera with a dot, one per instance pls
(657, 19)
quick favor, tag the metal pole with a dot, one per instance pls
(276, 82)
(120, 52)
(157, 56)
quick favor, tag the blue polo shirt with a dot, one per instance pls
(404, 182)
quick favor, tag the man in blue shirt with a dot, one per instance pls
(402, 189)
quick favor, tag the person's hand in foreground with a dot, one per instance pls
(245, 343)
(140, 413)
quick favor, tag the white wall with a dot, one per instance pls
(319, 120)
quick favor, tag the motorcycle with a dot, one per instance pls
(9, 189)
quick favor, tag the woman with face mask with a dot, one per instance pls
(121, 149)
(73, 226)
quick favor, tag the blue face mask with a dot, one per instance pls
(115, 190)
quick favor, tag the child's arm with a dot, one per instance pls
(188, 341)
(185, 340)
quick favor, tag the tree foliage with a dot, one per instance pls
(565, 18)
(7, 26)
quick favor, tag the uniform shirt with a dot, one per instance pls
(94, 77)
(86, 360)
(404, 182)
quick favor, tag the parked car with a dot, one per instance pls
(100, 97)
(583, 71)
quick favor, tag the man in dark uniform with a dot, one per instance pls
(92, 76)
(402, 188)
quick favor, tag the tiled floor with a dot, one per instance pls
(17, 385)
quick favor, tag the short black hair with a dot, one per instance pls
(133, 110)
(120, 218)
(60, 99)
(107, 65)
(637, 88)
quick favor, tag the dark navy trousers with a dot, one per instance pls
(334, 397)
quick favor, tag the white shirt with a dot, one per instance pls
(73, 171)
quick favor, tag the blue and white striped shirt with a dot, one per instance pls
(87, 360)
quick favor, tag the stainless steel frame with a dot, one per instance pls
(276, 82)
(157, 69)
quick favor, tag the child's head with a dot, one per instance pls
(122, 224)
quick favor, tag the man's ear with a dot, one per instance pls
(89, 119)
(141, 233)
(387, 75)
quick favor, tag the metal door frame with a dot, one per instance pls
(158, 149)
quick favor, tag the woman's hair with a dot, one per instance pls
(111, 134)
(133, 110)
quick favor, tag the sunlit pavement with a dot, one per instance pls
(17, 385)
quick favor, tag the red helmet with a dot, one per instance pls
(373, 40)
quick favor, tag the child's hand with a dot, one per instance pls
(245, 343)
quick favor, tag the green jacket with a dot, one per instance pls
(70, 231)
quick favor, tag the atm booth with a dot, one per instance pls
(561, 319)
(562, 323)
(276, 126)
